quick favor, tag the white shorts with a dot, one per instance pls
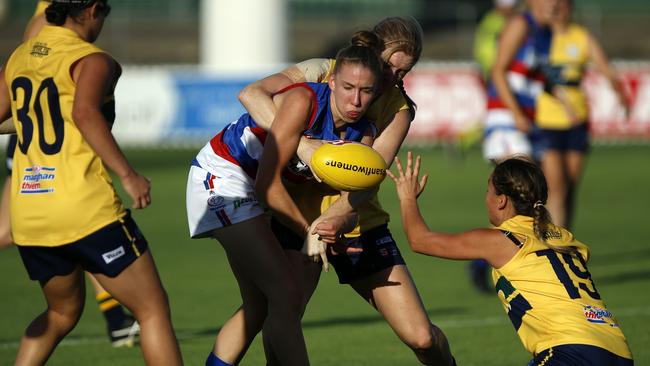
(503, 143)
(219, 193)
(502, 140)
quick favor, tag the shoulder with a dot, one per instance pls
(315, 69)
(99, 61)
(300, 96)
(498, 248)
(518, 26)
(99, 64)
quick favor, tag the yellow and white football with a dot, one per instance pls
(348, 166)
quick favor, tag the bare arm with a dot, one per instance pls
(488, 244)
(281, 143)
(511, 39)
(94, 76)
(34, 26)
(600, 60)
(7, 125)
(257, 98)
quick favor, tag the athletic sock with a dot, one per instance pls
(112, 310)
(213, 360)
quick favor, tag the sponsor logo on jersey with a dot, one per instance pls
(33, 178)
(113, 254)
(216, 201)
(244, 202)
(40, 50)
(597, 315)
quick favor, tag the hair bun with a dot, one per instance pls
(56, 13)
(368, 39)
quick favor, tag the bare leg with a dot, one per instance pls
(575, 166)
(138, 288)
(308, 275)
(556, 178)
(238, 332)
(393, 293)
(5, 215)
(65, 302)
(258, 260)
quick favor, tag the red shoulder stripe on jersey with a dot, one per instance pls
(313, 95)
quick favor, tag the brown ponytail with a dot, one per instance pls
(524, 183)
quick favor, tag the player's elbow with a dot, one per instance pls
(415, 242)
(82, 114)
(246, 94)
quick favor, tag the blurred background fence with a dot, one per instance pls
(166, 98)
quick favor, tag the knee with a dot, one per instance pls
(289, 301)
(255, 312)
(66, 318)
(421, 340)
(154, 309)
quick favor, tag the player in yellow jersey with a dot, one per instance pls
(65, 214)
(561, 138)
(380, 262)
(122, 328)
(540, 270)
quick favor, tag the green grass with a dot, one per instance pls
(613, 204)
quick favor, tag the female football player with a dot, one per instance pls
(244, 163)
(540, 270)
(561, 135)
(516, 82)
(65, 214)
(122, 328)
(381, 263)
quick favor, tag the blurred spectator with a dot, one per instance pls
(487, 34)
(561, 136)
(513, 86)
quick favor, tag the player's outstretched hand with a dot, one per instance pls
(138, 188)
(406, 180)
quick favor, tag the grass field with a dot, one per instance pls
(612, 217)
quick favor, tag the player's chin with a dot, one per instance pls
(352, 117)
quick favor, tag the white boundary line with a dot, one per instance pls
(444, 324)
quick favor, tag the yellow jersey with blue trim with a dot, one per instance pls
(371, 214)
(568, 58)
(550, 297)
(41, 6)
(61, 190)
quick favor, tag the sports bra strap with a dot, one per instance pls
(512, 238)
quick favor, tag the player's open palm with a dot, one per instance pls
(138, 188)
(406, 180)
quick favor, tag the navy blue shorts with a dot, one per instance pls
(379, 252)
(11, 148)
(578, 355)
(108, 251)
(574, 139)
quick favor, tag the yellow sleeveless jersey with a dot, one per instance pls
(41, 6)
(371, 214)
(61, 191)
(550, 297)
(568, 57)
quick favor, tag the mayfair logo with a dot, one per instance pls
(40, 49)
